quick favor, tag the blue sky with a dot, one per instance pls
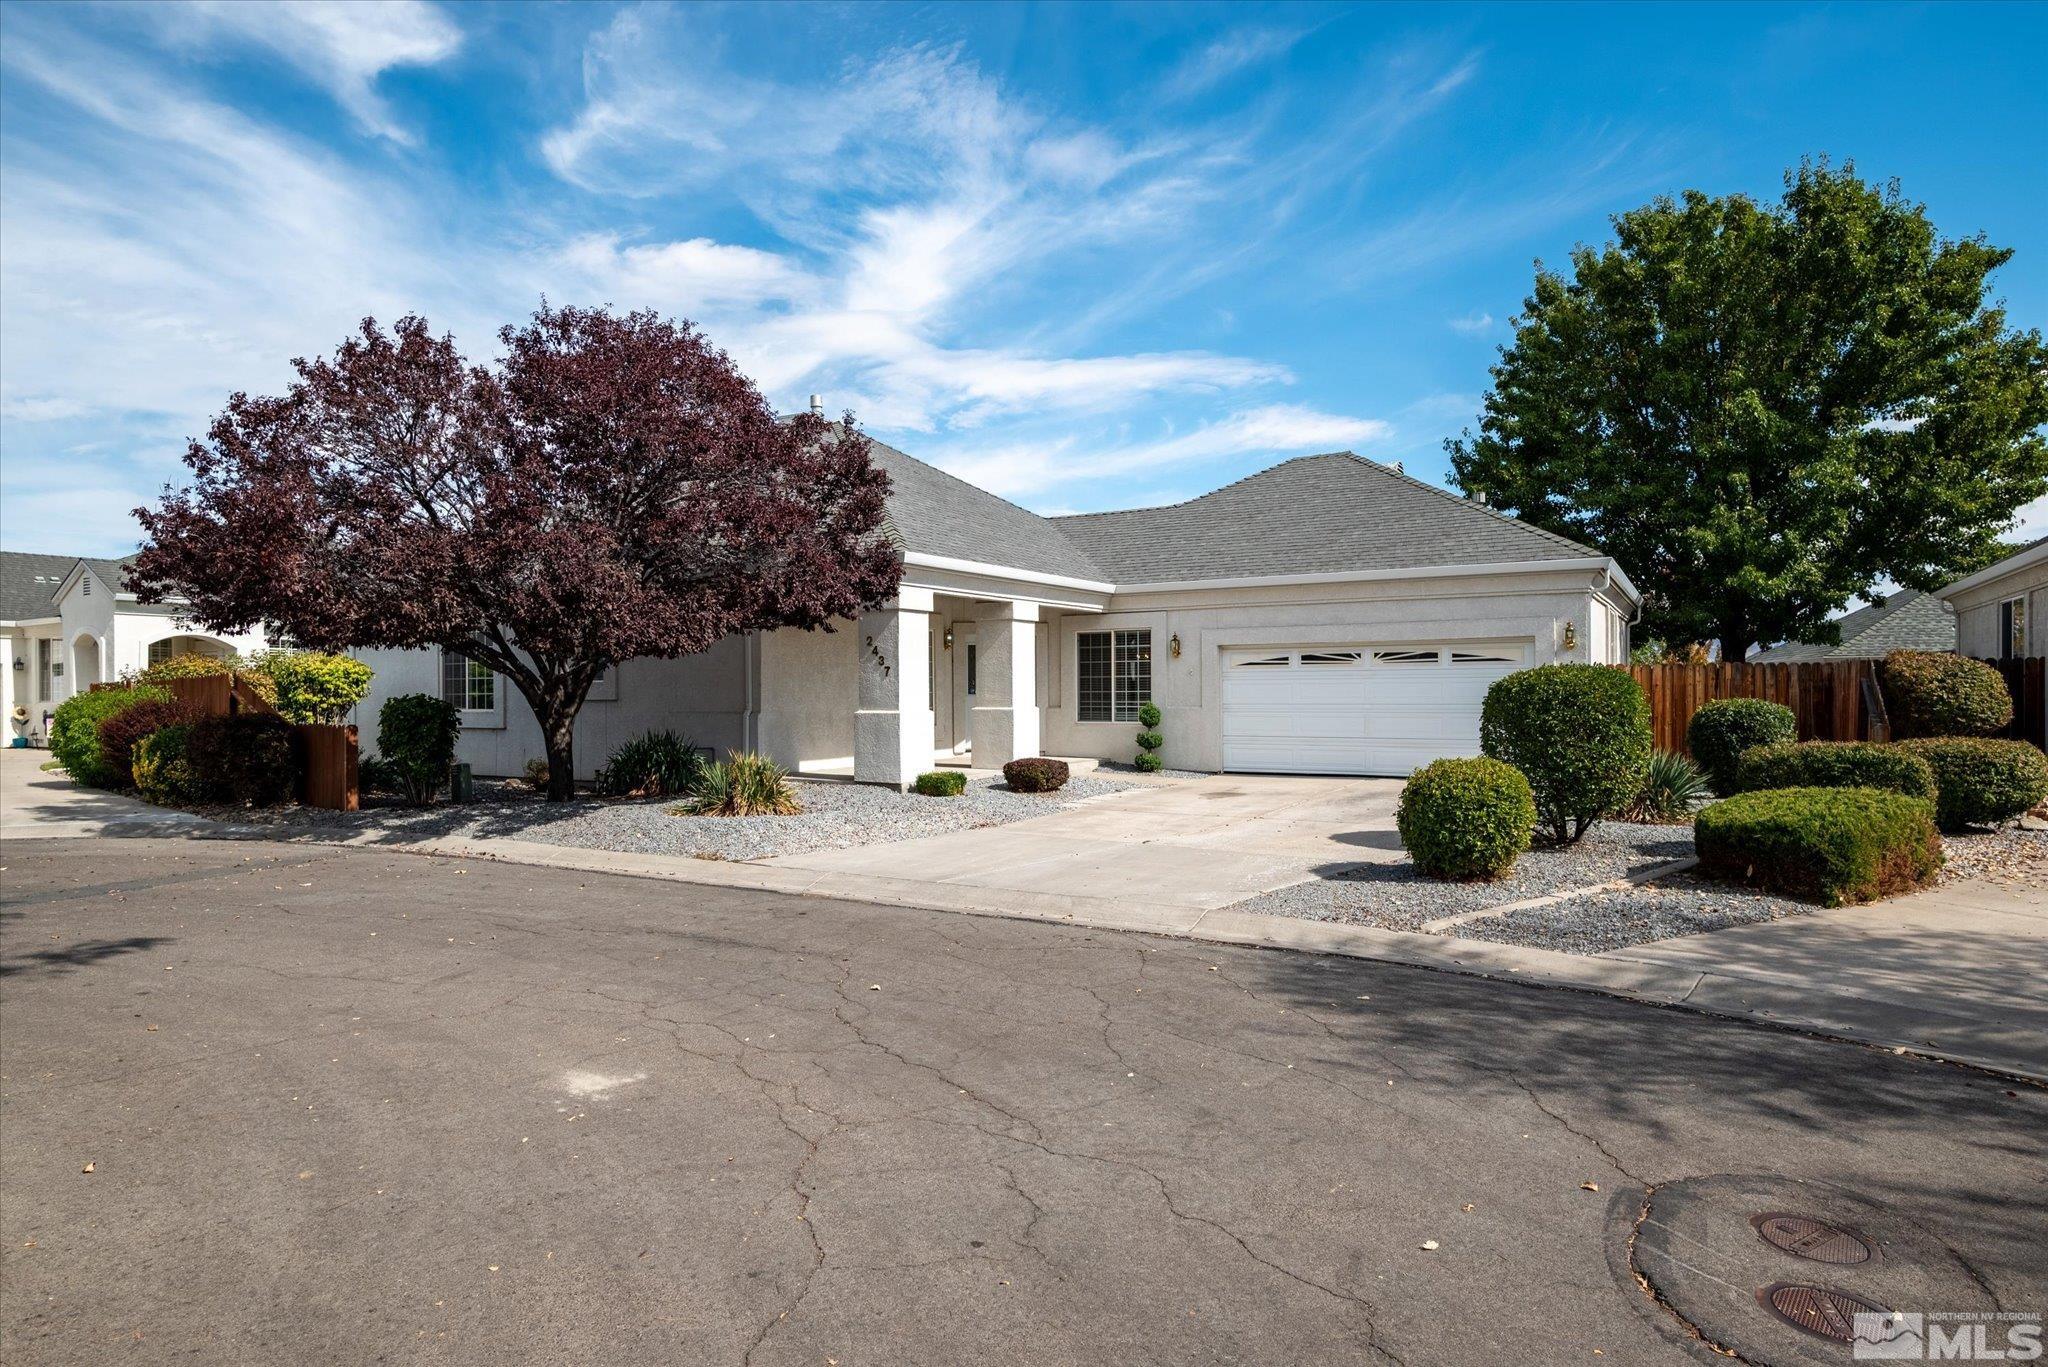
(1087, 256)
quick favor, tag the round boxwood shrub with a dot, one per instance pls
(1466, 819)
(1980, 781)
(119, 734)
(1722, 729)
(75, 729)
(162, 774)
(940, 783)
(1835, 764)
(416, 738)
(1579, 733)
(1036, 775)
(1930, 693)
(250, 757)
(1827, 845)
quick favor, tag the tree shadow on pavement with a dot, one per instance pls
(48, 962)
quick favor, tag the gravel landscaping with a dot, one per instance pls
(835, 816)
(1679, 904)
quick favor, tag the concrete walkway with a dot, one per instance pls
(1960, 972)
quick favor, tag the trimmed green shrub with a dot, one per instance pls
(1036, 775)
(745, 785)
(416, 735)
(119, 733)
(376, 774)
(1466, 819)
(1931, 693)
(1826, 845)
(1979, 781)
(1835, 764)
(250, 757)
(1579, 733)
(1672, 786)
(940, 783)
(75, 729)
(1722, 729)
(162, 774)
(658, 764)
(1149, 739)
(313, 686)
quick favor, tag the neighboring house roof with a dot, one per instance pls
(1908, 620)
(29, 582)
(2033, 553)
(936, 513)
(1311, 515)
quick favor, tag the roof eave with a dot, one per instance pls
(1602, 563)
(2026, 559)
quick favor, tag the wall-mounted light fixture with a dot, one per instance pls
(1571, 635)
(1173, 646)
(949, 638)
(21, 662)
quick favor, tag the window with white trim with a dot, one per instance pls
(467, 685)
(973, 672)
(1406, 657)
(159, 651)
(1482, 657)
(2012, 628)
(1115, 674)
(1263, 662)
(1332, 657)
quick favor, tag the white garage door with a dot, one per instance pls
(1356, 709)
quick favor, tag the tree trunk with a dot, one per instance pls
(559, 732)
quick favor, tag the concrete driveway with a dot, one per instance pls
(50, 806)
(1201, 843)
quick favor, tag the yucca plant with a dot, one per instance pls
(657, 764)
(1671, 789)
(745, 785)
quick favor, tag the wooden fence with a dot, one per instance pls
(1832, 699)
(329, 753)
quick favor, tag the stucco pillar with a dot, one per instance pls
(892, 730)
(1006, 697)
(10, 694)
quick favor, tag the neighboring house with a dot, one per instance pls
(66, 623)
(1327, 615)
(2002, 610)
(1908, 620)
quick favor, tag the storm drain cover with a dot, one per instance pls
(1819, 1310)
(1805, 1237)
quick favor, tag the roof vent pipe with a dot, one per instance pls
(817, 405)
(1479, 497)
(1397, 468)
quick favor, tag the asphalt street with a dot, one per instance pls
(288, 1104)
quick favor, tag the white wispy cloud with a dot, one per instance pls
(345, 45)
(1217, 61)
(1472, 324)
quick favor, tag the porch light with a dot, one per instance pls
(1571, 634)
(949, 638)
(1173, 646)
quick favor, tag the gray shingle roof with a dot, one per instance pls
(1312, 515)
(1908, 620)
(28, 582)
(941, 514)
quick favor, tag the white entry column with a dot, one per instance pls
(1006, 696)
(892, 731)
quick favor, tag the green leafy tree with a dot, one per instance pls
(1762, 409)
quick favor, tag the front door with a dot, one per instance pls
(966, 681)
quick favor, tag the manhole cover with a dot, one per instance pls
(1805, 1237)
(1819, 1310)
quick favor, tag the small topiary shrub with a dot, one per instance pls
(1467, 819)
(1930, 693)
(1979, 781)
(1672, 786)
(75, 729)
(940, 783)
(250, 757)
(1149, 739)
(1722, 729)
(313, 686)
(745, 785)
(1579, 733)
(416, 735)
(658, 764)
(162, 774)
(1835, 764)
(119, 733)
(1039, 775)
(1826, 845)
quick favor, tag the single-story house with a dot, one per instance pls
(67, 623)
(1907, 620)
(2002, 609)
(1327, 615)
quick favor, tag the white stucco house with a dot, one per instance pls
(66, 623)
(1327, 615)
(2002, 609)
